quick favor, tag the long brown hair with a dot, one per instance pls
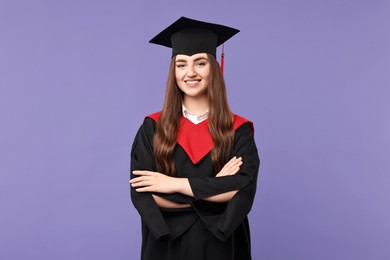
(220, 121)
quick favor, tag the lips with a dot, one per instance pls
(192, 83)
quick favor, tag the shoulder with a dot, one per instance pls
(240, 121)
(244, 134)
(150, 121)
(148, 126)
(155, 116)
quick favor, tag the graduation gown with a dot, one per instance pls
(206, 230)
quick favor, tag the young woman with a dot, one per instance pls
(194, 165)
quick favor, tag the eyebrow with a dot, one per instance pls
(197, 59)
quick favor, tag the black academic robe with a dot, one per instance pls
(206, 230)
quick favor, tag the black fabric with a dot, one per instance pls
(189, 36)
(193, 40)
(207, 230)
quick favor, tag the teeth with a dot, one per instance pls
(192, 82)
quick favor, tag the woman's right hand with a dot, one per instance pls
(231, 167)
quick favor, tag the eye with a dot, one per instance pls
(180, 65)
(201, 63)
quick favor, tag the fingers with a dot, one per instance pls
(233, 160)
(140, 180)
(141, 183)
(233, 163)
(235, 170)
(143, 173)
(145, 180)
(231, 167)
(143, 189)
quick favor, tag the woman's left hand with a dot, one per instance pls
(149, 181)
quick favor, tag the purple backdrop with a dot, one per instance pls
(77, 78)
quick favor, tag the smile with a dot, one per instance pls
(192, 81)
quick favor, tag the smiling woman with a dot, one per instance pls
(194, 165)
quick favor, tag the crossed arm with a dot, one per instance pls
(149, 181)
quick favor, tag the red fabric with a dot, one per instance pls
(195, 139)
(155, 116)
(239, 121)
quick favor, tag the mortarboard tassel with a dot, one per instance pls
(223, 58)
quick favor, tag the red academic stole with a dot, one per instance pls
(195, 139)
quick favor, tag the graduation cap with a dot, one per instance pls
(187, 36)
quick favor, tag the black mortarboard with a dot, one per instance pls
(187, 36)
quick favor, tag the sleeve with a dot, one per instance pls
(142, 159)
(245, 147)
(222, 224)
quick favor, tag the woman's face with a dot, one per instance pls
(192, 74)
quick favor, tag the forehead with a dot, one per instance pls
(196, 56)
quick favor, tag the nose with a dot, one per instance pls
(191, 72)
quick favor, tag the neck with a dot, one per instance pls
(196, 105)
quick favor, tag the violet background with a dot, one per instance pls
(77, 78)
